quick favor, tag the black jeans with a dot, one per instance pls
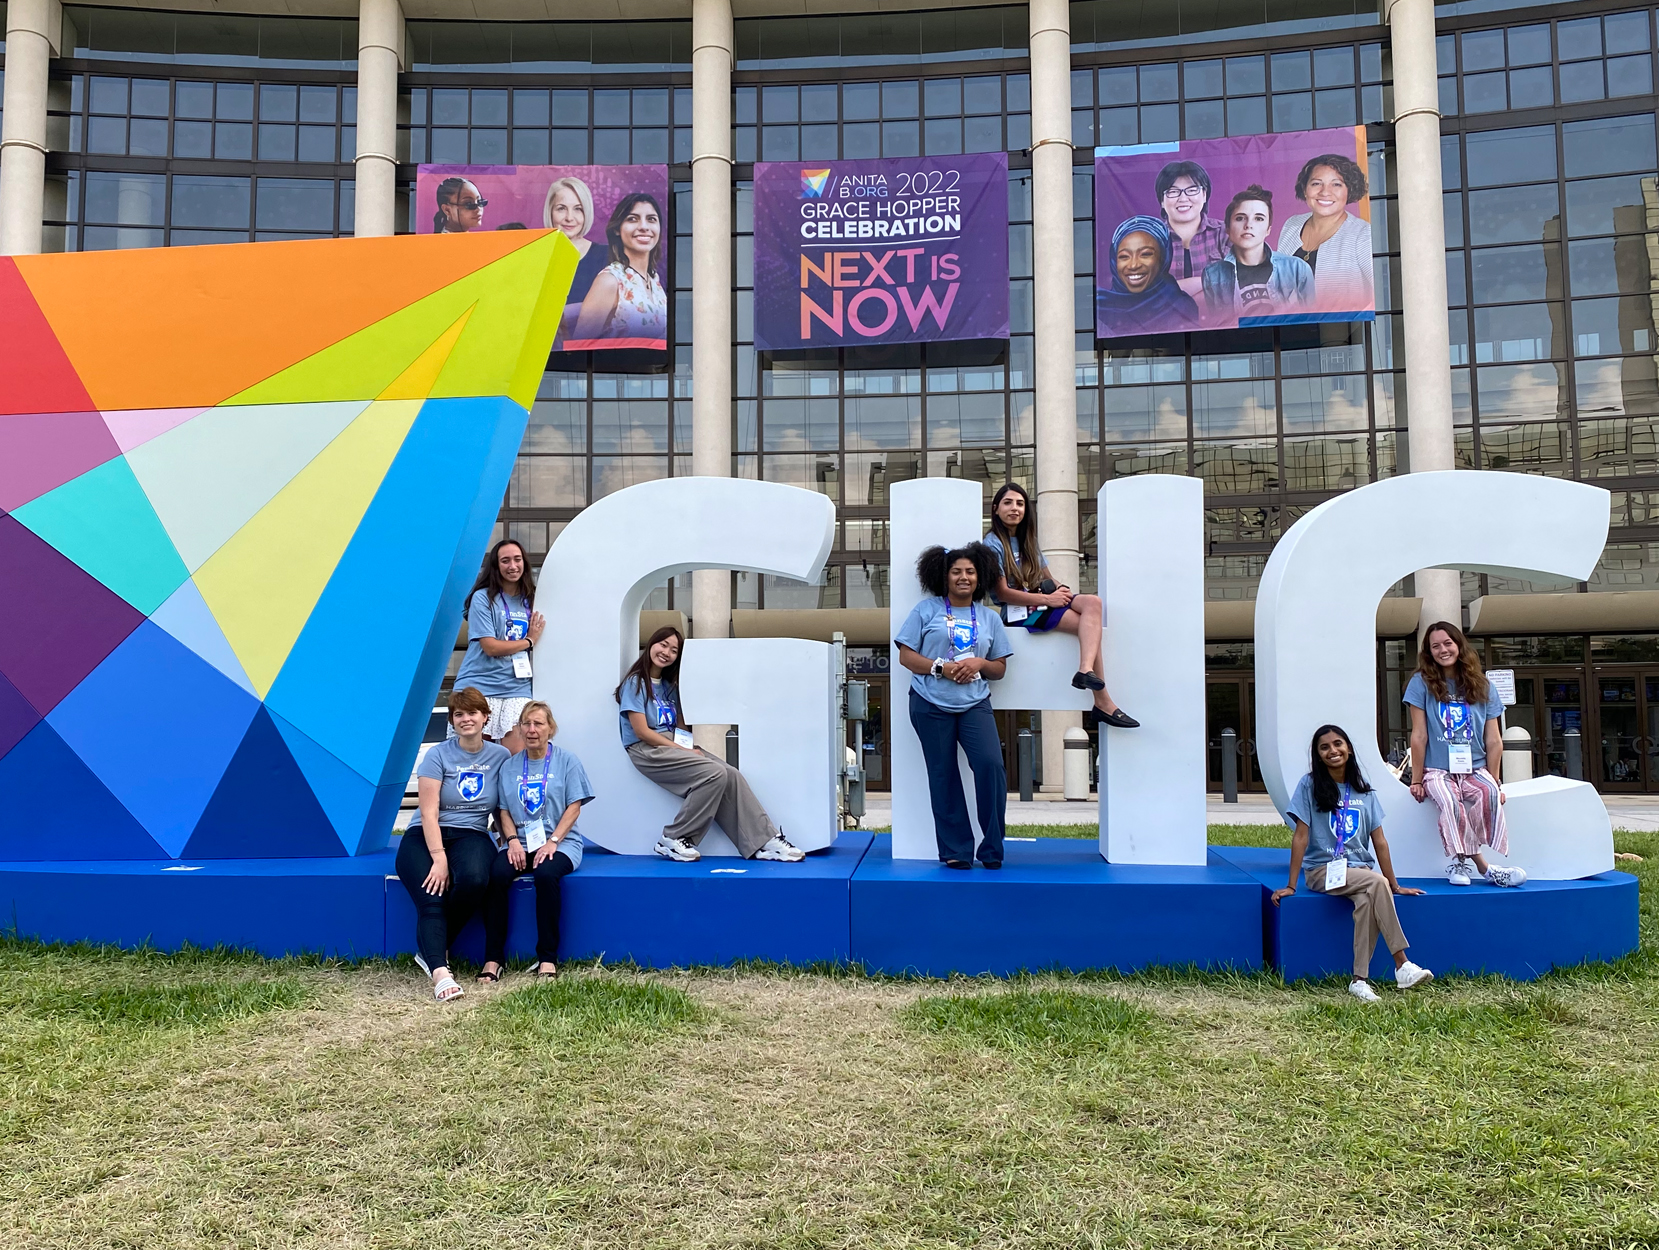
(546, 875)
(975, 730)
(438, 918)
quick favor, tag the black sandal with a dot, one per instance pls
(958, 863)
(488, 978)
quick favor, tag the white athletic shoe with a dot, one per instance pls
(1362, 990)
(1409, 974)
(1498, 874)
(680, 849)
(1457, 872)
(781, 848)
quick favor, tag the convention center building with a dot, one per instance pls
(1513, 210)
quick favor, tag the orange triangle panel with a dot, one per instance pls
(39, 377)
(191, 326)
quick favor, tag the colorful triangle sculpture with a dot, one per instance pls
(230, 535)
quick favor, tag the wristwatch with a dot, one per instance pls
(938, 667)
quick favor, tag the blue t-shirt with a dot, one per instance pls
(506, 618)
(542, 789)
(1453, 721)
(1010, 555)
(471, 784)
(1359, 814)
(937, 631)
(662, 709)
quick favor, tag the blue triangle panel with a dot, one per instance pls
(56, 808)
(187, 617)
(346, 796)
(263, 808)
(111, 720)
(17, 716)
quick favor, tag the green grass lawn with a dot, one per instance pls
(219, 1100)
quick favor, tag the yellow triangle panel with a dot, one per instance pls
(417, 380)
(263, 583)
(514, 306)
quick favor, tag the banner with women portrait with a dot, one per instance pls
(616, 215)
(856, 253)
(1213, 234)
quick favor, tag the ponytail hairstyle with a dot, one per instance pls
(640, 670)
(448, 189)
(1325, 792)
(1027, 571)
(489, 576)
(933, 568)
(1471, 678)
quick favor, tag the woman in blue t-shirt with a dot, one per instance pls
(951, 642)
(444, 857)
(658, 741)
(502, 629)
(1456, 752)
(1339, 841)
(1019, 587)
(543, 788)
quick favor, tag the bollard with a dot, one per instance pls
(1575, 754)
(1026, 751)
(1075, 781)
(1517, 755)
(1229, 766)
(731, 746)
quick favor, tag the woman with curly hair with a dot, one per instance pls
(951, 642)
(1330, 240)
(1456, 750)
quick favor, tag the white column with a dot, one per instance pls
(1423, 269)
(34, 31)
(711, 298)
(1051, 151)
(379, 57)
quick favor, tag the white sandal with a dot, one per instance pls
(447, 989)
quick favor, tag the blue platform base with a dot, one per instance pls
(1520, 933)
(1054, 904)
(661, 914)
(332, 906)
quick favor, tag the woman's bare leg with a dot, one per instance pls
(1083, 620)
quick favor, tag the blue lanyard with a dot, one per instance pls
(524, 777)
(950, 629)
(1340, 822)
(659, 707)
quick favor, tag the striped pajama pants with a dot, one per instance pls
(1471, 817)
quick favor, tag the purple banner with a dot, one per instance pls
(1220, 233)
(616, 215)
(849, 253)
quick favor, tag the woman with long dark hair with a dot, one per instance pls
(951, 642)
(1029, 597)
(502, 629)
(658, 741)
(627, 301)
(1339, 841)
(1456, 752)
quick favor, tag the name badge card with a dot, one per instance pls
(1336, 874)
(535, 834)
(521, 664)
(1460, 757)
(682, 738)
(1017, 613)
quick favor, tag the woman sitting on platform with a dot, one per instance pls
(502, 629)
(444, 857)
(1456, 751)
(1029, 597)
(1339, 840)
(951, 645)
(540, 783)
(658, 741)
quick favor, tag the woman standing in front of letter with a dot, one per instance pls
(1456, 751)
(502, 629)
(658, 741)
(1339, 841)
(1030, 597)
(951, 642)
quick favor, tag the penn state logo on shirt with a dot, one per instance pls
(516, 626)
(531, 794)
(1454, 719)
(470, 784)
(1345, 823)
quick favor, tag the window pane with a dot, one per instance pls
(296, 204)
(1234, 409)
(1158, 82)
(278, 103)
(1145, 412)
(1247, 116)
(1605, 326)
(1293, 112)
(1520, 391)
(1291, 71)
(1512, 215)
(219, 203)
(1510, 274)
(1202, 79)
(1325, 404)
(1578, 39)
(1482, 49)
(1246, 75)
(1582, 81)
(1607, 205)
(149, 97)
(1529, 45)
(1612, 145)
(1531, 88)
(1496, 156)
(1519, 332)
(126, 199)
(1604, 266)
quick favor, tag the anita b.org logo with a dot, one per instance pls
(813, 182)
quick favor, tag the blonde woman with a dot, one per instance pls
(569, 210)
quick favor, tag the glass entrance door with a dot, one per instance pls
(1623, 742)
(1563, 710)
(1230, 703)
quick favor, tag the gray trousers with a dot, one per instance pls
(712, 789)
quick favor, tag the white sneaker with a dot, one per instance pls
(1362, 990)
(1457, 872)
(680, 849)
(781, 848)
(1409, 974)
(1499, 874)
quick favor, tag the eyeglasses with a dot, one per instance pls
(471, 205)
(1183, 193)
